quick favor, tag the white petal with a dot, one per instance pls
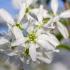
(54, 6)
(50, 38)
(39, 32)
(49, 55)
(43, 12)
(17, 3)
(63, 30)
(17, 43)
(28, 2)
(3, 41)
(53, 39)
(23, 7)
(40, 13)
(22, 59)
(11, 54)
(32, 51)
(56, 50)
(21, 12)
(6, 17)
(65, 14)
(43, 59)
(32, 19)
(45, 44)
(39, 53)
(49, 22)
(30, 26)
(18, 34)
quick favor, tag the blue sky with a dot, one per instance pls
(7, 4)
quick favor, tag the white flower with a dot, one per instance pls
(14, 26)
(36, 18)
(36, 42)
(34, 39)
(41, 13)
(55, 19)
(24, 7)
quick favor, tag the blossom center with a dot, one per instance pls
(19, 26)
(28, 10)
(32, 37)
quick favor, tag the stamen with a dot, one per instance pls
(32, 37)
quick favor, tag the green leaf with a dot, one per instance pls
(59, 36)
(45, 20)
(26, 52)
(63, 46)
(66, 22)
(19, 26)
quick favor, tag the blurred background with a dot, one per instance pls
(61, 61)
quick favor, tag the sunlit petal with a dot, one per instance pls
(54, 6)
(3, 41)
(49, 55)
(17, 43)
(63, 30)
(11, 54)
(43, 59)
(21, 12)
(17, 3)
(45, 44)
(41, 13)
(32, 51)
(28, 2)
(50, 38)
(6, 17)
(18, 34)
(65, 14)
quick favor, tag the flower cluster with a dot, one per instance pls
(32, 31)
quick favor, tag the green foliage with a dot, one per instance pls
(26, 52)
(45, 20)
(19, 26)
(59, 36)
(66, 22)
(63, 46)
